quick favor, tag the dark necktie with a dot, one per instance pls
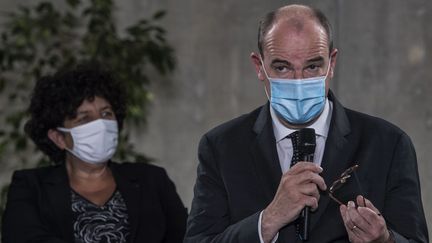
(296, 155)
(295, 159)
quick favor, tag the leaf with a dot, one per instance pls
(3, 198)
(4, 36)
(73, 3)
(3, 146)
(159, 14)
(12, 97)
(141, 158)
(70, 20)
(21, 143)
(15, 119)
(44, 7)
(143, 22)
(44, 161)
(23, 10)
(2, 84)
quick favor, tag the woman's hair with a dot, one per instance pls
(56, 98)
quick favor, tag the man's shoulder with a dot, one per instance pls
(372, 124)
(239, 125)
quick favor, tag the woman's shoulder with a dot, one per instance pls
(38, 170)
(139, 169)
(39, 175)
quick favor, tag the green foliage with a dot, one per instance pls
(42, 39)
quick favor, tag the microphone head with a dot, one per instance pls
(306, 141)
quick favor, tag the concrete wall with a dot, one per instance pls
(384, 69)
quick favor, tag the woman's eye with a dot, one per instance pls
(107, 114)
(82, 120)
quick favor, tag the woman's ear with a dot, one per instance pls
(58, 138)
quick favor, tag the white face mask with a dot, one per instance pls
(94, 142)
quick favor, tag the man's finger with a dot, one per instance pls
(312, 202)
(349, 225)
(311, 177)
(369, 215)
(361, 201)
(371, 206)
(358, 220)
(309, 189)
(304, 166)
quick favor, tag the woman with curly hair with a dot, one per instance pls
(75, 118)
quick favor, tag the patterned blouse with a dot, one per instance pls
(105, 224)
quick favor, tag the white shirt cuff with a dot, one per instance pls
(259, 231)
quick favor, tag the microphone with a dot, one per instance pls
(306, 147)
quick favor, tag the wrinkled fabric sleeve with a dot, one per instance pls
(209, 219)
(403, 207)
(22, 221)
(175, 212)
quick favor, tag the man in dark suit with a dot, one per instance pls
(252, 188)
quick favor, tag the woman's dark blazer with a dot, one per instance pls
(38, 208)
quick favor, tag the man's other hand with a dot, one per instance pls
(364, 223)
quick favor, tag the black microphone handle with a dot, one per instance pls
(304, 230)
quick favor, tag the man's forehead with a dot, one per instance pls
(295, 25)
(305, 37)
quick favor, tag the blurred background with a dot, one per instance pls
(384, 69)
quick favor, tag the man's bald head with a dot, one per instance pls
(296, 16)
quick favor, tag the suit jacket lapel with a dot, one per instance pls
(131, 193)
(336, 154)
(59, 195)
(264, 153)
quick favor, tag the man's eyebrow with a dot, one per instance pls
(315, 59)
(280, 61)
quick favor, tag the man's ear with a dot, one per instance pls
(256, 61)
(57, 138)
(333, 56)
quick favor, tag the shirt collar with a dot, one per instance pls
(321, 125)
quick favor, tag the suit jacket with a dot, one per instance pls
(239, 173)
(38, 208)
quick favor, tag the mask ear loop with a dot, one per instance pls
(265, 90)
(265, 73)
(68, 130)
(262, 65)
(328, 68)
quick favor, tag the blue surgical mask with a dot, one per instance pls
(297, 101)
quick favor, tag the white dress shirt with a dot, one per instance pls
(284, 145)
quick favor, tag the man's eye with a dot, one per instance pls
(281, 68)
(313, 67)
